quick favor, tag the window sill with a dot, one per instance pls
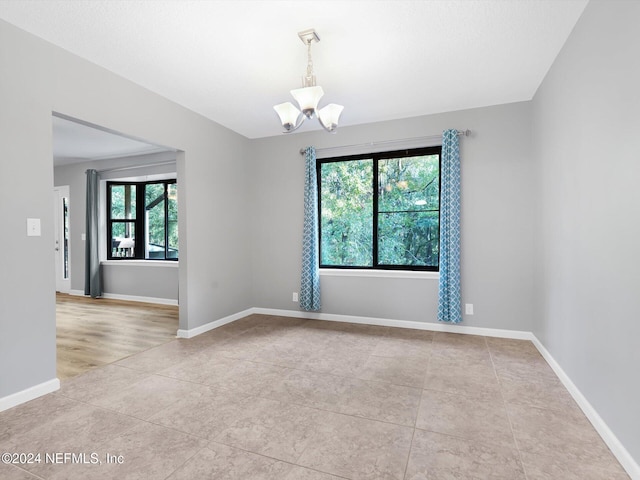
(331, 272)
(141, 263)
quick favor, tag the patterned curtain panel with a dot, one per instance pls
(92, 274)
(310, 277)
(449, 302)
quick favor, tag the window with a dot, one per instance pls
(380, 211)
(142, 220)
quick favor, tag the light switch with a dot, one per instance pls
(83, 237)
(33, 227)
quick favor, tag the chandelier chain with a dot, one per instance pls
(309, 80)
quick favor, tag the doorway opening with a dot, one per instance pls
(139, 305)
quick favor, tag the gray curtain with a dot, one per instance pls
(310, 275)
(92, 273)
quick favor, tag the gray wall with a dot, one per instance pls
(586, 135)
(27, 283)
(497, 225)
(143, 281)
(151, 281)
(38, 79)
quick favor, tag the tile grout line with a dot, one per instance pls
(275, 459)
(415, 422)
(406, 465)
(504, 403)
(184, 463)
(28, 472)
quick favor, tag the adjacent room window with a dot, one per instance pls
(142, 220)
(380, 211)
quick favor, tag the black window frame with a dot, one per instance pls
(139, 221)
(376, 157)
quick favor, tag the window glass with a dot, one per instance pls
(155, 217)
(123, 202)
(123, 240)
(408, 210)
(172, 219)
(65, 233)
(347, 213)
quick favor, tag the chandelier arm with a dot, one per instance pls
(324, 126)
(298, 125)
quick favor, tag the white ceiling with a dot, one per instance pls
(75, 142)
(232, 60)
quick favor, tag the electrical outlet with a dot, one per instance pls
(468, 308)
(295, 297)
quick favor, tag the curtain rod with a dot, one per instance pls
(461, 133)
(135, 167)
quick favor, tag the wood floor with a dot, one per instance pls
(94, 332)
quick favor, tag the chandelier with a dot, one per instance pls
(308, 97)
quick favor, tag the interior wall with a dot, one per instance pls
(497, 224)
(38, 79)
(586, 137)
(156, 281)
(27, 283)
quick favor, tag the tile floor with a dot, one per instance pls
(287, 399)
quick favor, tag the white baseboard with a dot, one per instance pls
(385, 322)
(616, 447)
(192, 332)
(29, 394)
(133, 298)
(130, 298)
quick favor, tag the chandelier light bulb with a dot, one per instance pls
(308, 98)
(289, 116)
(329, 116)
